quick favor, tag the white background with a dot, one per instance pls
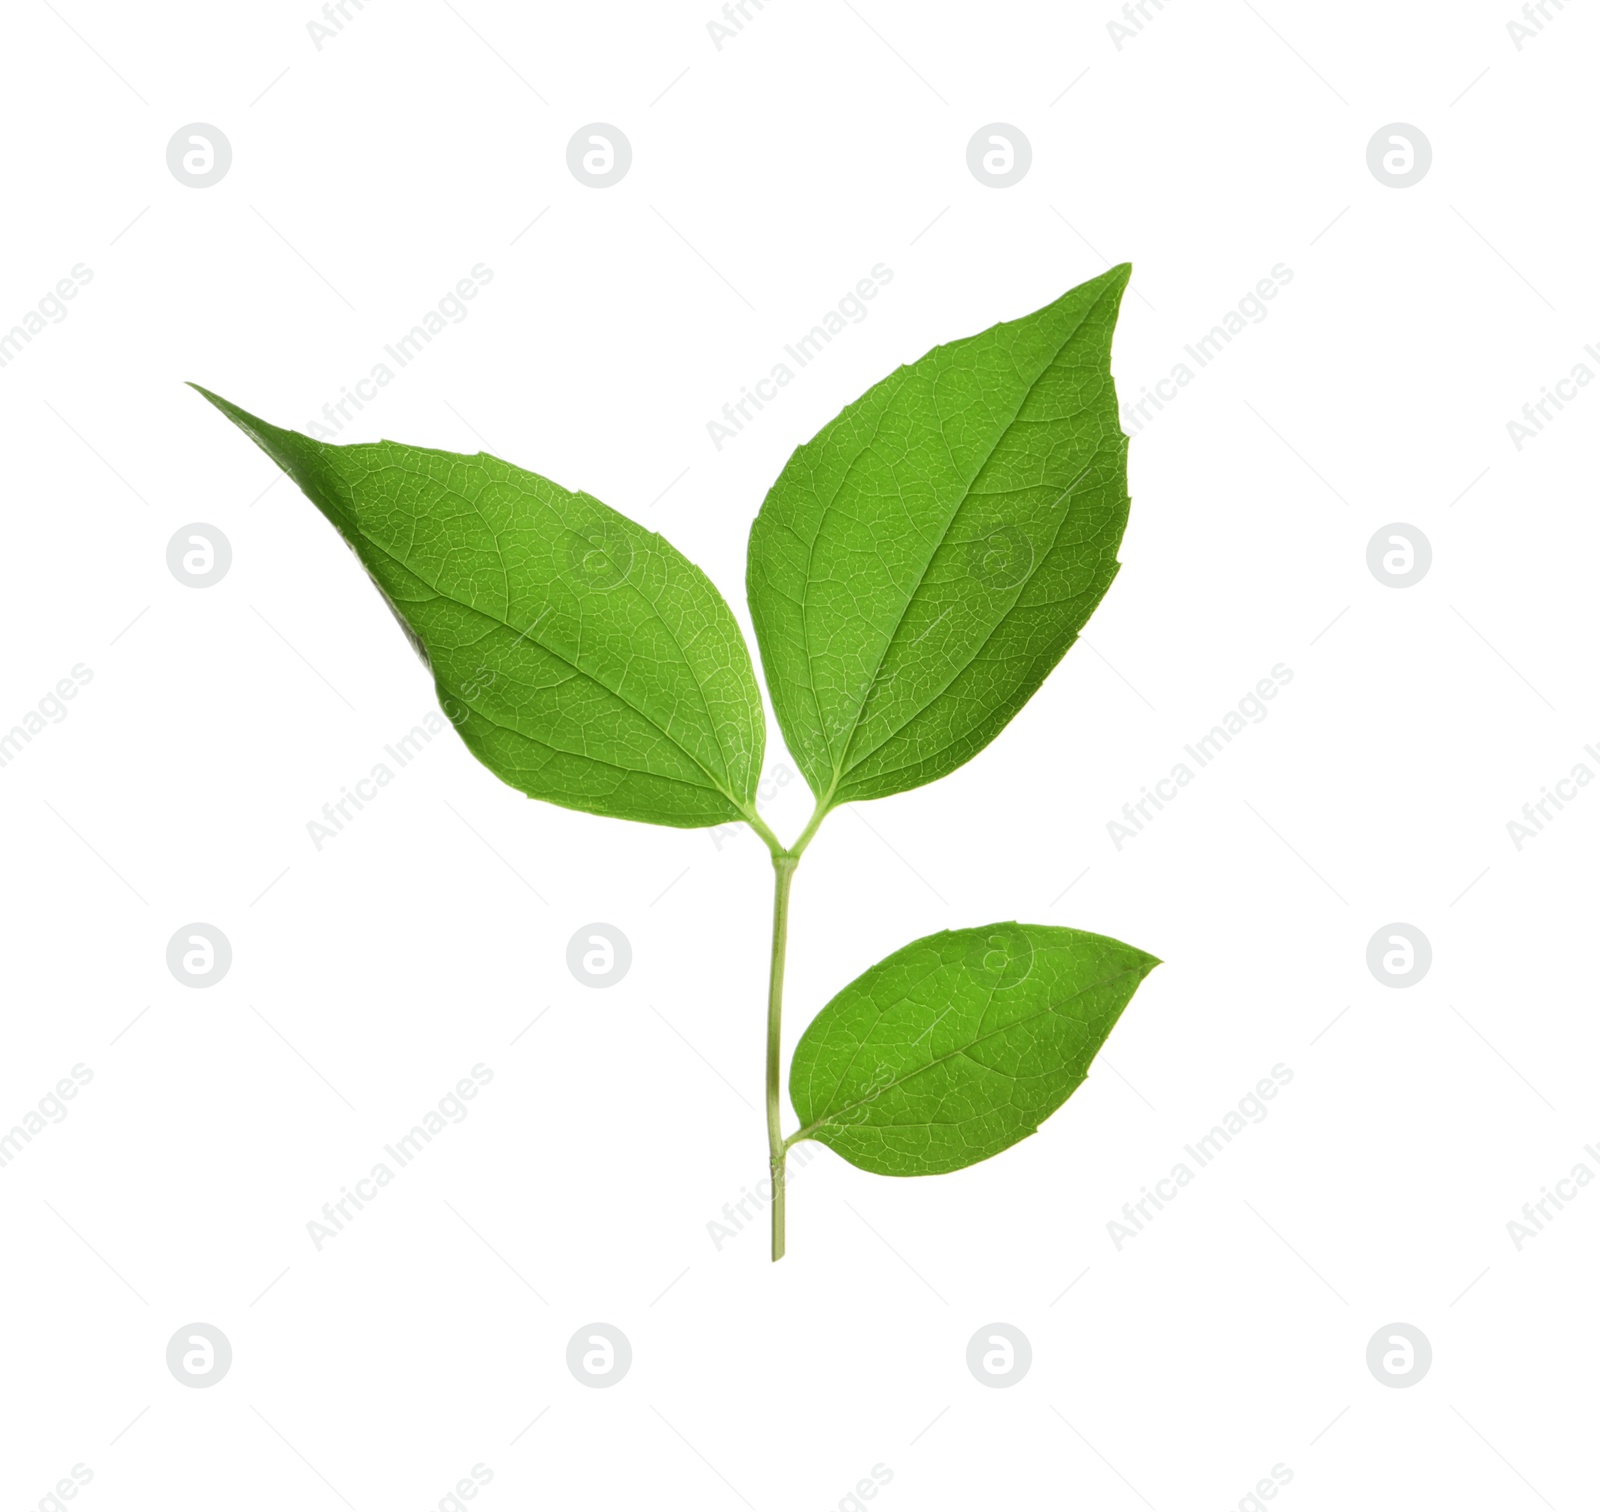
(768, 176)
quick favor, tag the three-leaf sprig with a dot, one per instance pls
(915, 573)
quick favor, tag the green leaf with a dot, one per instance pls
(960, 1044)
(584, 660)
(924, 561)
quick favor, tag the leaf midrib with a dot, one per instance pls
(977, 650)
(1028, 1018)
(848, 735)
(588, 676)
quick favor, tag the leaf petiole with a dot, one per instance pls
(784, 862)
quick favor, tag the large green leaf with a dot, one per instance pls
(584, 660)
(960, 1044)
(924, 561)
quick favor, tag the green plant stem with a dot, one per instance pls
(783, 865)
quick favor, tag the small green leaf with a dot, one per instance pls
(924, 561)
(584, 660)
(960, 1044)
